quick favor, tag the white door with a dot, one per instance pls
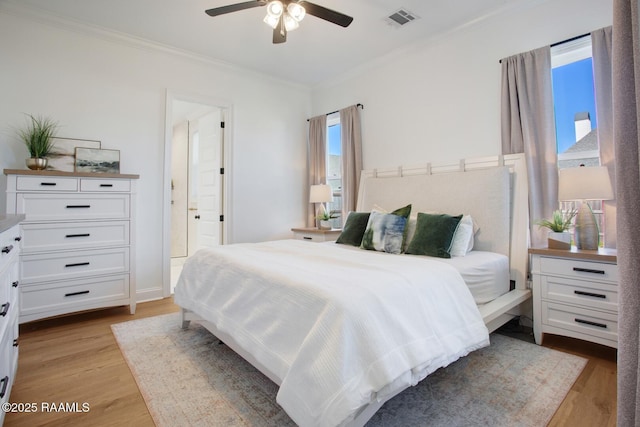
(205, 207)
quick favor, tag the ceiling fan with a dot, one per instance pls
(284, 15)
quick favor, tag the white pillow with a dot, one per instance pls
(462, 241)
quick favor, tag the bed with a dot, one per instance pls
(341, 329)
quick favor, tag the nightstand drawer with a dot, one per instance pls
(46, 183)
(583, 321)
(602, 296)
(585, 270)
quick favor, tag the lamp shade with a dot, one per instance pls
(320, 194)
(584, 183)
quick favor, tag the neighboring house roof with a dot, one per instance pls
(588, 143)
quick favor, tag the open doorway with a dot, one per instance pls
(194, 172)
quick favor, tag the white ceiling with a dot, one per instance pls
(314, 53)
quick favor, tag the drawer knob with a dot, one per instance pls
(5, 309)
(17, 239)
(78, 235)
(78, 206)
(7, 249)
(588, 322)
(590, 294)
(48, 184)
(15, 342)
(307, 238)
(588, 270)
(106, 185)
(72, 294)
(15, 284)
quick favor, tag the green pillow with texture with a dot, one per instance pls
(433, 236)
(353, 228)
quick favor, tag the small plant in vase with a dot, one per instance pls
(559, 226)
(37, 136)
(325, 218)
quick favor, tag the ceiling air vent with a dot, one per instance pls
(401, 17)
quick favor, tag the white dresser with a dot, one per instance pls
(9, 303)
(575, 294)
(78, 246)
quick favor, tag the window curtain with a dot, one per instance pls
(527, 125)
(317, 168)
(626, 122)
(601, 41)
(351, 136)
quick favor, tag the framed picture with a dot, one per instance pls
(64, 150)
(97, 161)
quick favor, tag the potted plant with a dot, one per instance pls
(325, 219)
(559, 225)
(38, 135)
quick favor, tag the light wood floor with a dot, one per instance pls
(76, 359)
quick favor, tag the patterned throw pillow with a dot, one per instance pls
(386, 231)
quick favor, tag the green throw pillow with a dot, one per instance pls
(433, 236)
(354, 228)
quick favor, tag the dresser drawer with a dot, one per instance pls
(584, 270)
(69, 295)
(60, 207)
(104, 185)
(9, 245)
(583, 321)
(68, 236)
(601, 296)
(36, 268)
(46, 183)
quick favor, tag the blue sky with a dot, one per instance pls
(333, 136)
(572, 93)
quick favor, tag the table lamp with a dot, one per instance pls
(320, 193)
(582, 184)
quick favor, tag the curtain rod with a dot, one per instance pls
(337, 111)
(564, 41)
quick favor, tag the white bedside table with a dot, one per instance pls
(575, 294)
(315, 235)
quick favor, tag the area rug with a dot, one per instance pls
(188, 378)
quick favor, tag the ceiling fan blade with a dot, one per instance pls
(235, 7)
(326, 14)
(280, 32)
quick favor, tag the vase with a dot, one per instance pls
(37, 163)
(325, 225)
(559, 240)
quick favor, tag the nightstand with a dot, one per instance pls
(575, 294)
(315, 235)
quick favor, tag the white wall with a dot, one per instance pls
(440, 100)
(114, 91)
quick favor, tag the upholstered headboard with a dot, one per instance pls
(490, 189)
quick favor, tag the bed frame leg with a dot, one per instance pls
(185, 321)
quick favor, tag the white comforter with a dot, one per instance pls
(340, 328)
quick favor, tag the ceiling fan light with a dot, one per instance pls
(296, 11)
(271, 20)
(289, 23)
(275, 8)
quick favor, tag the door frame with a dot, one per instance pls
(226, 148)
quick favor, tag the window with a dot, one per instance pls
(575, 111)
(334, 166)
